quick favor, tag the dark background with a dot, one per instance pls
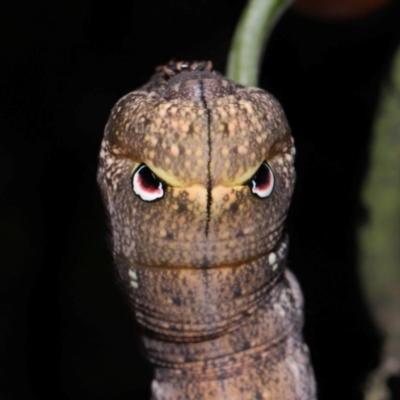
(65, 330)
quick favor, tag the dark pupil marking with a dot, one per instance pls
(262, 182)
(262, 178)
(146, 184)
(148, 180)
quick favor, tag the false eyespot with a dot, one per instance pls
(262, 182)
(146, 184)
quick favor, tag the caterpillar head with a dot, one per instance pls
(196, 171)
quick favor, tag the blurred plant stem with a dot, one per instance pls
(379, 237)
(253, 30)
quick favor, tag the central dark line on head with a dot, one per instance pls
(209, 180)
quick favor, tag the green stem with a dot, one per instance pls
(252, 32)
(379, 237)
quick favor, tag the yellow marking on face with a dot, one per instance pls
(245, 177)
(173, 181)
(165, 176)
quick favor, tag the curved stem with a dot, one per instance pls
(252, 33)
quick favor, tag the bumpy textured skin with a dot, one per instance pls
(204, 267)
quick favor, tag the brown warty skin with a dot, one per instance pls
(204, 265)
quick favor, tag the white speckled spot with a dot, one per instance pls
(132, 274)
(156, 389)
(279, 309)
(274, 267)
(288, 157)
(134, 284)
(272, 258)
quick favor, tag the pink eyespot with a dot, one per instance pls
(262, 182)
(146, 185)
